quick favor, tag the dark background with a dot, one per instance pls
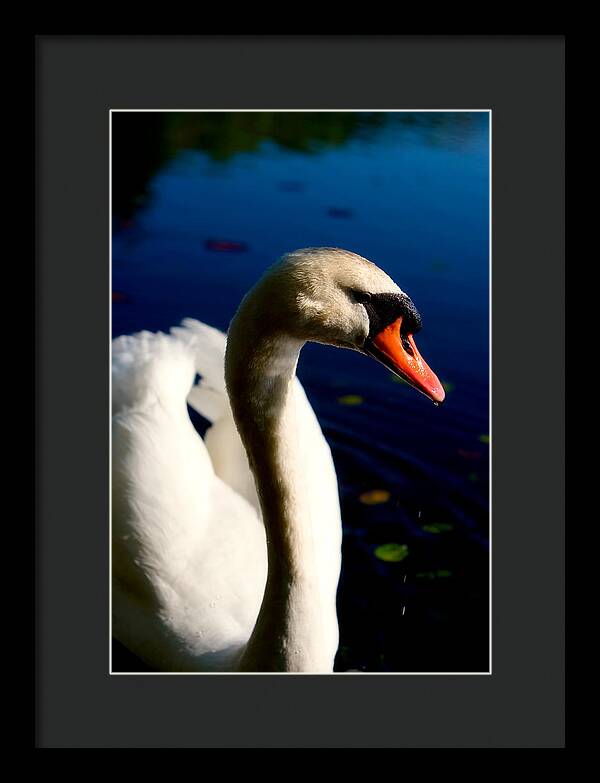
(520, 705)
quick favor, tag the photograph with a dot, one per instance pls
(299, 376)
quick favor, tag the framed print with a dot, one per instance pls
(222, 490)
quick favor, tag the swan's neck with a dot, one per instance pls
(260, 373)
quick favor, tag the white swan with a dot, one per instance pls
(197, 585)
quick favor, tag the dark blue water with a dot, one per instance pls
(202, 204)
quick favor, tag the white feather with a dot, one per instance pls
(189, 549)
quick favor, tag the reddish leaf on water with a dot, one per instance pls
(119, 296)
(339, 212)
(469, 454)
(225, 246)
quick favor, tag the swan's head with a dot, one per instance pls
(332, 296)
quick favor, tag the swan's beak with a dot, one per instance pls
(387, 347)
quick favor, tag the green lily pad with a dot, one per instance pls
(438, 527)
(439, 574)
(391, 553)
(350, 399)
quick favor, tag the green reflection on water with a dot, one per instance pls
(144, 141)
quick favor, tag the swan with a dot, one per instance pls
(226, 552)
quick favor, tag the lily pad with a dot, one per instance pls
(438, 527)
(350, 399)
(374, 496)
(391, 553)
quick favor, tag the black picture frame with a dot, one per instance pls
(78, 80)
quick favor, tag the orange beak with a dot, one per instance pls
(406, 361)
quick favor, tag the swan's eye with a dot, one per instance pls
(361, 296)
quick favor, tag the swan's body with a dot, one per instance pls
(208, 574)
(195, 526)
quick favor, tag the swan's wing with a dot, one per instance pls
(209, 398)
(203, 594)
(146, 367)
(184, 543)
(161, 471)
(207, 345)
